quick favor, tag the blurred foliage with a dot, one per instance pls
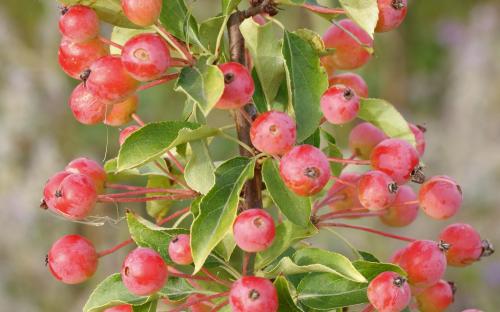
(412, 69)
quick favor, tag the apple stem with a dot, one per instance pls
(366, 229)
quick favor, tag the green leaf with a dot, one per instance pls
(209, 31)
(384, 116)
(259, 98)
(335, 261)
(229, 5)
(147, 307)
(154, 139)
(158, 208)
(296, 208)
(199, 171)
(219, 207)
(111, 292)
(178, 20)
(362, 12)
(147, 234)
(265, 49)
(314, 40)
(109, 11)
(203, 83)
(325, 291)
(285, 299)
(371, 269)
(287, 234)
(226, 247)
(307, 81)
(368, 256)
(334, 151)
(111, 168)
(121, 35)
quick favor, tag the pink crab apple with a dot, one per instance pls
(79, 23)
(72, 259)
(345, 189)
(251, 293)
(90, 168)
(273, 132)
(305, 170)
(71, 195)
(395, 157)
(121, 113)
(144, 272)
(440, 197)
(403, 210)
(391, 14)
(85, 107)
(239, 86)
(120, 308)
(200, 306)
(146, 56)
(352, 81)
(142, 12)
(424, 261)
(254, 230)
(418, 132)
(389, 292)
(75, 58)
(339, 104)
(466, 245)
(363, 138)
(125, 133)
(179, 250)
(376, 190)
(349, 54)
(436, 298)
(109, 81)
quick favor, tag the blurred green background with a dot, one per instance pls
(440, 69)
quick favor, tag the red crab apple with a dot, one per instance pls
(72, 259)
(391, 14)
(142, 12)
(144, 272)
(389, 292)
(254, 230)
(79, 23)
(273, 132)
(251, 293)
(75, 58)
(239, 86)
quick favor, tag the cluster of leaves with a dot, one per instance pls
(288, 77)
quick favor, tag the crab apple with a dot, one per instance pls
(71, 195)
(125, 133)
(254, 230)
(466, 245)
(273, 132)
(389, 292)
(396, 256)
(120, 308)
(391, 14)
(142, 12)
(363, 138)
(72, 259)
(179, 250)
(339, 104)
(440, 197)
(90, 168)
(424, 261)
(418, 132)
(75, 58)
(121, 113)
(400, 213)
(109, 81)
(305, 170)
(376, 190)
(144, 272)
(239, 86)
(436, 298)
(345, 189)
(146, 56)
(396, 157)
(349, 54)
(79, 23)
(352, 81)
(200, 306)
(85, 107)
(251, 293)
